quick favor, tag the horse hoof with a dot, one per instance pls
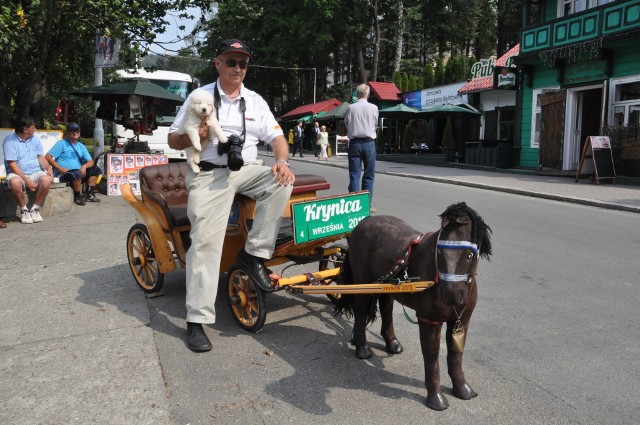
(465, 392)
(394, 347)
(437, 402)
(363, 352)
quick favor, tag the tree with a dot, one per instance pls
(399, 36)
(428, 76)
(439, 72)
(49, 44)
(508, 26)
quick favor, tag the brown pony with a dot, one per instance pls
(449, 257)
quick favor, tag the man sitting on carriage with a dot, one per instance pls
(243, 113)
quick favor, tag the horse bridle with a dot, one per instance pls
(448, 277)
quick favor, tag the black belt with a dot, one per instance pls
(364, 139)
(207, 166)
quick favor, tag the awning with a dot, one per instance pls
(310, 109)
(310, 117)
(336, 113)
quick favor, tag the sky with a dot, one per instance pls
(173, 32)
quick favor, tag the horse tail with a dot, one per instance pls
(344, 304)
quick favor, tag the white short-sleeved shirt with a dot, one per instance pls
(361, 120)
(260, 122)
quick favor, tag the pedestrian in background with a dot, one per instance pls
(299, 134)
(361, 119)
(323, 142)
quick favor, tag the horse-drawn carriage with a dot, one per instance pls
(389, 260)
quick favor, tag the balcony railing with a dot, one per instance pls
(609, 19)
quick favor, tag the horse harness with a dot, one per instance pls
(402, 264)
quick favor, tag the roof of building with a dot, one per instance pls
(385, 91)
(514, 51)
(311, 108)
(486, 83)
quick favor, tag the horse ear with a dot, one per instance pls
(445, 222)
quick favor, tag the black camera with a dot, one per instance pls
(233, 149)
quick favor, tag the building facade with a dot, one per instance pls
(579, 76)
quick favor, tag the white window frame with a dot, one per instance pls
(536, 115)
(570, 6)
(626, 104)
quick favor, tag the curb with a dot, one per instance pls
(521, 192)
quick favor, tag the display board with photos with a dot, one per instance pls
(125, 168)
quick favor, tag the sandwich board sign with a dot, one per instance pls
(597, 159)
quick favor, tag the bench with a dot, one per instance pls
(164, 192)
(58, 201)
(165, 186)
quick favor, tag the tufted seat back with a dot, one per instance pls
(165, 185)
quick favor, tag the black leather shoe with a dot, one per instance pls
(254, 266)
(196, 338)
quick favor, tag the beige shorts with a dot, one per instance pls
(35, 177)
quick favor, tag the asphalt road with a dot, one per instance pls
(554, 338)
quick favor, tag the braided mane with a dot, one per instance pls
(480, 233)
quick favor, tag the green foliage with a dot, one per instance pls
(439, 77)
(397, 79)
(447, 136)
(405, 82)
(448, 71)
(47, 47)
(428, 76)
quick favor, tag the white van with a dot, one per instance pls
(177, 83)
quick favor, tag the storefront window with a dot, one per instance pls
(506, 123)
(626, 102)
(569, 7)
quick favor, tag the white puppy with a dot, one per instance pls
(199, 106)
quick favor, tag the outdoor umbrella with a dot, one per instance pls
(336, 113)
(446, 109)
(136, 87)
(399, 111)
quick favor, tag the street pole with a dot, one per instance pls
(98, 131)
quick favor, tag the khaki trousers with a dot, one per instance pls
(211, 195)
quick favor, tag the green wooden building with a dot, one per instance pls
(579, 74)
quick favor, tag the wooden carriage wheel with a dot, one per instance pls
(330, 262)
(246, 300)
(142, 260)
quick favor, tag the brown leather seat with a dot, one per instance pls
(165, 185)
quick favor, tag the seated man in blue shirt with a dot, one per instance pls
(27, 168)
(72, 162)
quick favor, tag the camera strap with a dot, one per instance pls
(217, 102)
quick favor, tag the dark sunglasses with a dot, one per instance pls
(231, 63)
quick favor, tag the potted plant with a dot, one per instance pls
(448, 142)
